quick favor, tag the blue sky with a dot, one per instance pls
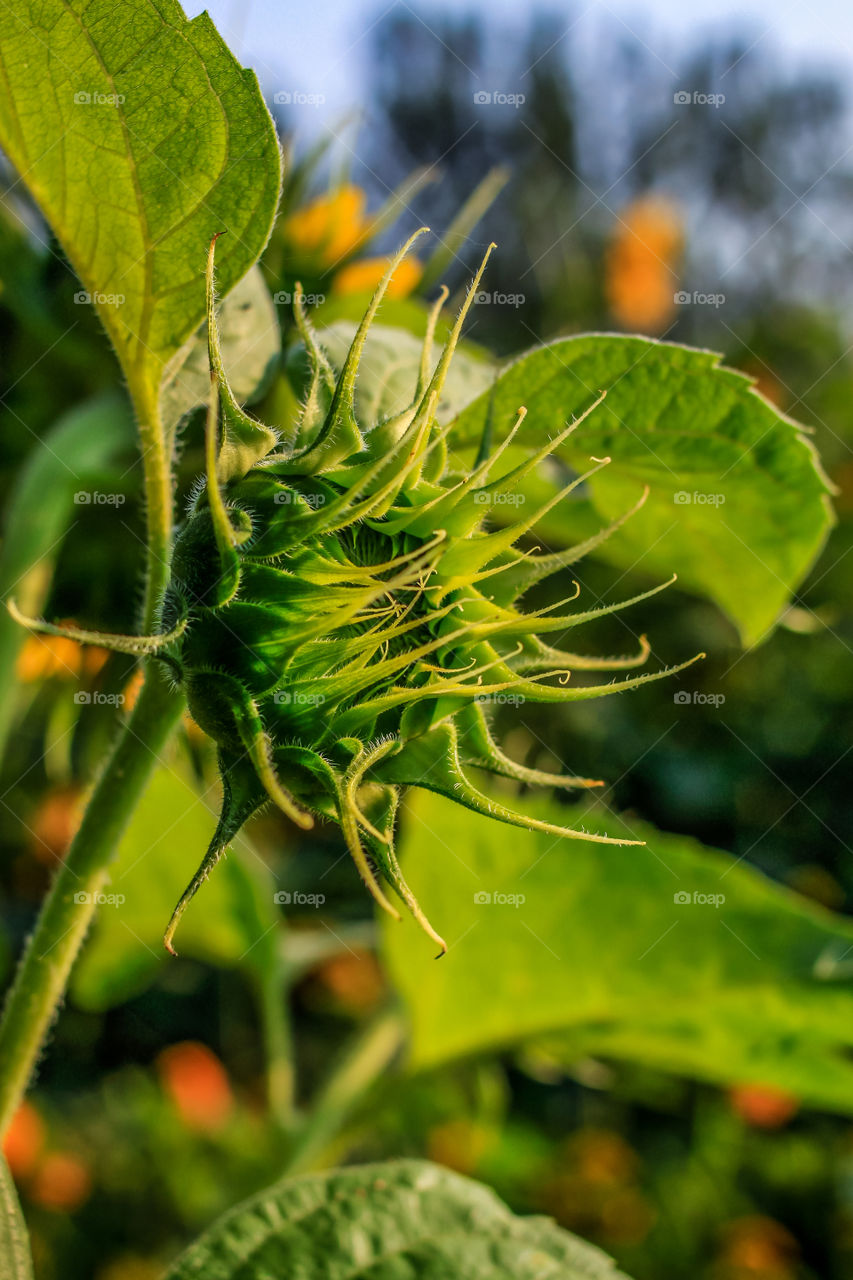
(316, 47)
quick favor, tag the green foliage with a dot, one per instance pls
(140, 137)
(396, 1220)
(14, 1245)
(757, 510)
(598, 956)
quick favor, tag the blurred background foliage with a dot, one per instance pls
(152, 1107)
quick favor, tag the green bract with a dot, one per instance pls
(340, 615)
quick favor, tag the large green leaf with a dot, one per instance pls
(15, 1261)
(738, 505)
(140, 137)
(233, 923)
(397, 1220)
(602, 957)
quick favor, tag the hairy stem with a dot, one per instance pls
(156, 462)
(67, 910)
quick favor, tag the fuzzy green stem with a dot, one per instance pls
(67, 911)
(156, 462)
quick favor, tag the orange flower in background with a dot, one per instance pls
(763, 1106)
(24, 1141)
(354, 978)
(44, 656)
(54, 823)
(62, 1182)
(330, 226)
(758, 1246)
(198, 1085)
(602, 1156)
(364, 275)
(640, 280)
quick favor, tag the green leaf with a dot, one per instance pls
(15, 1261)
(140, 137)
(78, 447)
(234, 924)
(396, 1220)
(600, 955)
(738, 504)
(251, 343)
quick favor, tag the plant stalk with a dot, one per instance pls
(66, 913)
(369, 1056)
